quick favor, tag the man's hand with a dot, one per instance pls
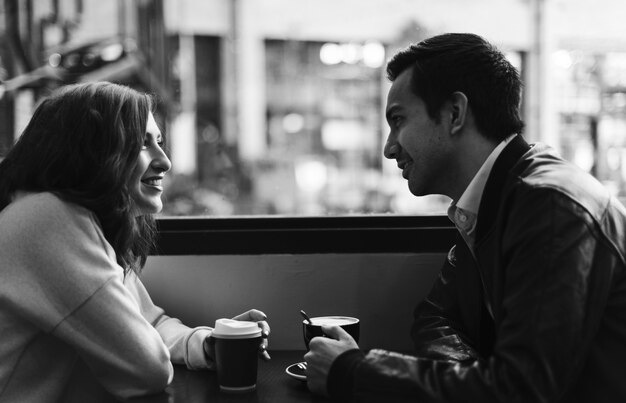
(322, 353)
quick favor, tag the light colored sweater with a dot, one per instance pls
(65, 305)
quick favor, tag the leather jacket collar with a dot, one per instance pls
(492, 195)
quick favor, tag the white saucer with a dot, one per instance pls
(295, 372)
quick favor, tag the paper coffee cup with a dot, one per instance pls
(236, 354)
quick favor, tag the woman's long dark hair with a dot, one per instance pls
(82, 144)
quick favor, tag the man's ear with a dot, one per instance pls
(458, 111)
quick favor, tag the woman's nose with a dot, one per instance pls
(161, 161)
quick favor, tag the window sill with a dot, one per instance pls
(303, 235)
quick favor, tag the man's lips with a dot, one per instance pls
(405, 166)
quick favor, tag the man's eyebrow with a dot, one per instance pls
(391, 110)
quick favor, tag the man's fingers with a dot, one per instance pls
(336, 332)
(319, 359)
(316, 341)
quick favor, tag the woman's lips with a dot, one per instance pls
(155, 183)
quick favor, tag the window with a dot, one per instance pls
(275, 107)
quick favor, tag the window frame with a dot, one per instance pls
(303, 235)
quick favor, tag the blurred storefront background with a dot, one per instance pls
(275, 107)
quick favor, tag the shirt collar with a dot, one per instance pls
(470, 199)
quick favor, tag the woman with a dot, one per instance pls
(77, 195)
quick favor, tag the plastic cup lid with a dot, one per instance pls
(235, 329)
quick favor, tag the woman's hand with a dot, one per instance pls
(254, 315)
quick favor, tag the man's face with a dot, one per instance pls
(418, 143)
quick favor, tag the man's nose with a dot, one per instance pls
(391, 150)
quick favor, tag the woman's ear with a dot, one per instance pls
(458, 111)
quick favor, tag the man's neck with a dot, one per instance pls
(472, 151)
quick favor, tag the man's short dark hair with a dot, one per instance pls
(444, 64)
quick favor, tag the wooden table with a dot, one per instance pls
(273, 385)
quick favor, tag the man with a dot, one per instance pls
(530, 305)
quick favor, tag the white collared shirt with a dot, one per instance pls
(464, 212)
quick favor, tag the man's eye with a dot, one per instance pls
(396, 120)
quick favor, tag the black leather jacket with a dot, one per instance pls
(538, 316)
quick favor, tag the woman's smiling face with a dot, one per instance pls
(146, 180)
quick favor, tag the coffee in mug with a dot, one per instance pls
(347, 323)
(236, 354)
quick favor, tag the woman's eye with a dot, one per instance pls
(148, 142)
(396, 120)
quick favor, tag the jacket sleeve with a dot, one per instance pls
(185, 344)
(66, 282)
(552, 301)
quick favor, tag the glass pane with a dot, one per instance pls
(275, 107)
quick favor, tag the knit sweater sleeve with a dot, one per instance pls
(185, 344)
(65, 280)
